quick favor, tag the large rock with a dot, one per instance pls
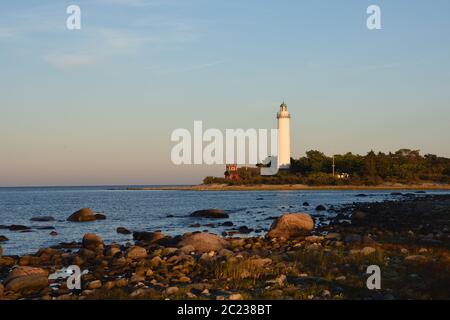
(210, 213)
(136, 253)
(82, 215)
(92, 242)
(203, 242)
(26, 279)
(123, 230)
(3, 238)
(23, 271)
(27, 283)
(148, 236)
(291, 225)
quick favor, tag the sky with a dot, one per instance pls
(97, 106)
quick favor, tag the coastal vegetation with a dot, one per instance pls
(404, 166)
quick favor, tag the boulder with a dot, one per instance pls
(320, 208)
(23, 271)
(203, 242)
(42, 219)
(18, 227)
(3, 238)
(291, 225)
(148, 236)
(123, 230)
(25, 278)
(82, 215)
(210, 213)
(27, 283)
(100, 216)
(92, 242)
(136, 253)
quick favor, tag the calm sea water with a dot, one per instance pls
(149, 210)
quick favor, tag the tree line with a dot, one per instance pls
(403, 166)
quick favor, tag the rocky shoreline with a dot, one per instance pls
(298, 259)
(287, 187)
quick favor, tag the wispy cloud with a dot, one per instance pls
(69, 61)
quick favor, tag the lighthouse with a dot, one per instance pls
(284, 137)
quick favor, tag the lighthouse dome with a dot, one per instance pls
(283, 113)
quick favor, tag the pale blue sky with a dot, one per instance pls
(97, 106)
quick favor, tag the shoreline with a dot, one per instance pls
(327, 262)
(286, 187)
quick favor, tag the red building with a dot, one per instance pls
(231, 172)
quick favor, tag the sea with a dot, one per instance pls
(164, 210)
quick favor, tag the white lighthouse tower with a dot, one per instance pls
(284, 137)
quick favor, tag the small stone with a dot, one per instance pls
(205, 292)
(415, 258)
(333, 236)
(94, 285)
(109, 285)
(184, 279)
(368, 251)
(235, 296)
(326, 293)
(156, 261)
(171, 290)
(151, 237)
(120, 283)
(137, 278)
(123, 230)
(136, 253)
(314, 239)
